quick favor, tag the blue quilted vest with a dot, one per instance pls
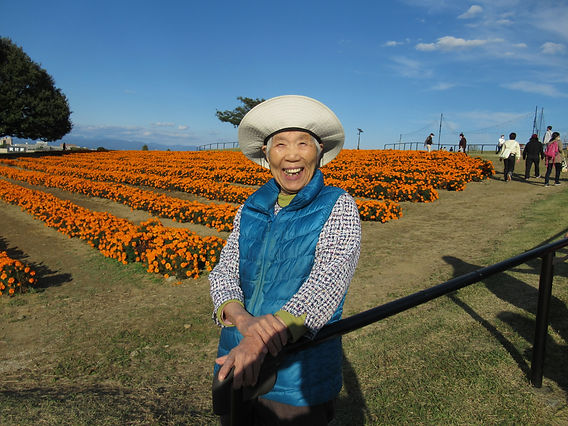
(276, 257)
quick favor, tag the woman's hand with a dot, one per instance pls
(247, 358)
(261, 335)
(268, 328)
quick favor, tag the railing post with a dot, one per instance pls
(541, 328)
(237, 408)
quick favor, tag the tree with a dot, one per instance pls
(235, 116)
(144, 147)
(31, 107)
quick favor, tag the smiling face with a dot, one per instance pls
(293, 158)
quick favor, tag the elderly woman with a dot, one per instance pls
(287, 265)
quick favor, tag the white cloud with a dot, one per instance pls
(550, 48)
(426, 47)
(448, 43)
(530, 87)
(182, 127)
(552, 19)
(161, 124)
(472, 12)
(504, 22)
(520, 45)
(392, 43)
(443, 86)
(411, 68)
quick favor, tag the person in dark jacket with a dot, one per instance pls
(463, 143)
(532, 154)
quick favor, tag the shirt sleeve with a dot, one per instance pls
(224, 278)
(336, 256)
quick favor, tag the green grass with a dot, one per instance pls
(465, 358)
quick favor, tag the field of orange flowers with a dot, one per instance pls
(379, 181)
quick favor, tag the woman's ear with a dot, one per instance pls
(264, 151)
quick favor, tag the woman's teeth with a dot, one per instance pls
(292, 171)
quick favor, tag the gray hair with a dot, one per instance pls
(312, 138)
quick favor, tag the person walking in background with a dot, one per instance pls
(532, 154)
(428, 142)
(547, 136)
(510, 152)
(500, 143)
(553, 157)
(462, 143)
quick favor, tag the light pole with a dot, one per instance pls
(359, 131)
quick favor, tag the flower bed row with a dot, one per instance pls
(168, 251)
(218, 216)
(196, 185)
(15, 277)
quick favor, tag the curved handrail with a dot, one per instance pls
(223, 392)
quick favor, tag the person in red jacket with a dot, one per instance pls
(553, 156)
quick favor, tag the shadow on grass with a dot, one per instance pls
(525, 297)
(98, 404)
(350, 409)
(520, 177)
(45, 276)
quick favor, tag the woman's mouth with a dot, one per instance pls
(292, 172)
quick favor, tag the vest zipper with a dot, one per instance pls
(258, 288)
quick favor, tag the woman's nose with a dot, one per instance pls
(292, 154)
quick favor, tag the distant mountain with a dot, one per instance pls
(120, 144)
(117, 144)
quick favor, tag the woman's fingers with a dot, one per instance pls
(246, 358)
(271, 331)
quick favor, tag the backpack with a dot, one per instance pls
(550, 150)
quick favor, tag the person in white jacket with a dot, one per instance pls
(510, 151)
(547, 136)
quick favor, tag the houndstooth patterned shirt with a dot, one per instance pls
(336, 256)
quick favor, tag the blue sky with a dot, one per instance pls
(156, 72)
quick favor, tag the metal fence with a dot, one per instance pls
(218, 145)
(227, 400)
(442, 146)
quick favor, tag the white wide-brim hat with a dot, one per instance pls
(290, 112)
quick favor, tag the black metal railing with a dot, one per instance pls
(227, 400)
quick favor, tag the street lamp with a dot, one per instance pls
(359, 131)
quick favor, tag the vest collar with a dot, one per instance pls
(265, 197)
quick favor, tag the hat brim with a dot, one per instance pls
(285, 113)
